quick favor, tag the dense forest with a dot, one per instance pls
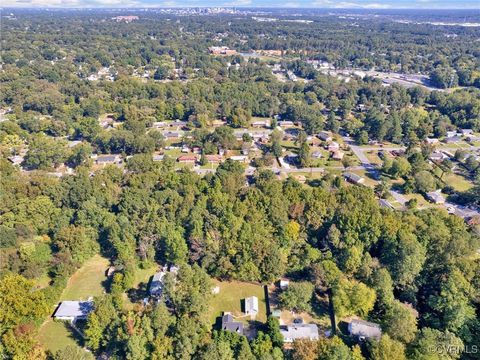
(416, 273)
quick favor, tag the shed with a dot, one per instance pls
(284, 283)
(251, 306)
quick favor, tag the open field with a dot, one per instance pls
(56, 335)
(88, 280)
(458, 182)
(230, 296)
(85, 282)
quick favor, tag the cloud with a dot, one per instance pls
(239, 3)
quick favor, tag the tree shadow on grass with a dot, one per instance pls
(138, 294)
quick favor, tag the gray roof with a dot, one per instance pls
(156, 286)
(364, 329)
(228, 324)
(251, 304)
(299, 331)
(436, 196)
(106, 158)
(385, 204)
(353, 177)
(74, 309)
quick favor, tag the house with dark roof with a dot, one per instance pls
(228, 324)
(325, 136)
(364, 329)
(108, 159)
(353, 178)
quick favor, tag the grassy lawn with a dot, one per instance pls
(458, 182)
(368, 180)
(56, 335)
(88, 280)
(230, 296)
(139, 288)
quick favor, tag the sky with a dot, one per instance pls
(355, 4)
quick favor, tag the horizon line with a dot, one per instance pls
(231, 7)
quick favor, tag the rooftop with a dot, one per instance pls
(364, 328)
(299, 331)
(74, 309)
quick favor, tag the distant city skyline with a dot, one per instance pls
(353, 4)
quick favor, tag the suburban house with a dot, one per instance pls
(187, 159)
(432, 141)
(436, 197)
(107, 159)
(385, 204)
(437, 156)
(228, 324)
(325, 136)
(353, 178)
(333, 146)
(261, 123)
(171, 135)
(364, 329)
(159, 124)
(158, 157)
(337, 154)
(286, 124)
(294, 332)
(16, 159)
(241, 158)
(215, 159)
(221, 50)
(73, 310)
(251, 306)
(453, 139)
(317, 155)
(467, 132)
(156, 286)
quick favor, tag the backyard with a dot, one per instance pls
(230, 296)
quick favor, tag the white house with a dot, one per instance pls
(73, 310)
(294, 332)
(364, 329)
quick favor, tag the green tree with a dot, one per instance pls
(297, 296)
(387, 349)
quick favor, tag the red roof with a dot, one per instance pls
(187, 158)
(213, 158)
